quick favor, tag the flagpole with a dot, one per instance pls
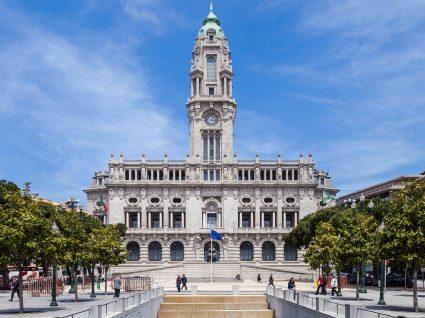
(211, 255)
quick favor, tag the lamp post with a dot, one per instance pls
(53, 303)
(73, 204)
(93, 294)
(362, 267)
(339, 273)
(382, 274)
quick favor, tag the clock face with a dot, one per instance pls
(211, 119)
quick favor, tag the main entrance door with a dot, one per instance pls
(215, 253)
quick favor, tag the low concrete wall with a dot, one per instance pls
(145, 304)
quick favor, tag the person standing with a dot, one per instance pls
(271, 281)
(15, 289)
(259, 279)
(291, 285)
(334, 285)
(117, 285)
(184, 282)
(178, 282)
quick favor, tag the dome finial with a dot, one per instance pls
(211, 6)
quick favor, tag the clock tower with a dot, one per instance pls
(211, 107)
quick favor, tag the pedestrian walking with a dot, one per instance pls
(320, 285)
(178, 282)
(291, 286)
(334, 285)
(184, 282)
(15, 289)
(117, 285)
(259, 279)
(271, 281)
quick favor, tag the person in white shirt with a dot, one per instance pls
(334, 285)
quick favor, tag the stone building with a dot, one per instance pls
(170, 206)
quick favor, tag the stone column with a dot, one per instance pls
(171, 220)
(161, 225)
(149, 220)
(240, 219)
(284, 219)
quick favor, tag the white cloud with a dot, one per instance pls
(80, 102)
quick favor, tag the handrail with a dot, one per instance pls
(379, 314)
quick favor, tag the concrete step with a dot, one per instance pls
(213, 306)
(217, 314)
(214, 299)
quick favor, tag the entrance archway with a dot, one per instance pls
(215, 253)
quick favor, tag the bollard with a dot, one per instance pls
(235, 289)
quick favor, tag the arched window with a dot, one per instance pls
(211, 211)
(155, 251)
(247, 251)
(290, 252)
(177, 251)
(133, 252)
(268, 251)
(211, 68)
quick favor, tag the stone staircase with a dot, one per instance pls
(215, 306)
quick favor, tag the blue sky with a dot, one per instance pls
(81, 79)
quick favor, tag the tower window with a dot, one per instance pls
(211, 38)
(211, 68)
(211, 91)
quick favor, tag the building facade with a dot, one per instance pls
(170, 206)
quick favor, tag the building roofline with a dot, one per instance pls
(378, 185)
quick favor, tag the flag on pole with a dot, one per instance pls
(103, 204)
(215, 235)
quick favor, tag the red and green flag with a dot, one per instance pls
(103, 204)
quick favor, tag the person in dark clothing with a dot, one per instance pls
(259, 279)
(184, 282)
(178, 282)
(271, 281)
(291, 285)
(15, 289)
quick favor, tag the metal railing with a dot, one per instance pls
(333, 307)
(367, 313)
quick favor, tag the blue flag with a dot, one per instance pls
(215, 235)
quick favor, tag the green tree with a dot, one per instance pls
(356, 240)
(404, 236)
(6, 188)
(304, 232)
(322, 248)
(106, 248)
(22, 229)
(76, 228)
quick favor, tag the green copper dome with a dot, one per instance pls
(211, 22)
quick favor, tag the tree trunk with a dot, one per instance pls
(5, 274)
(106, 280)
(75, 284)
(415, 288)
(21, 291)
(357, 283)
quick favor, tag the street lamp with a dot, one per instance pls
(55, 229)
(339, 273)
(73, 204)
(382, 278)
(362, 267)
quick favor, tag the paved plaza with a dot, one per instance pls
(399, 302)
